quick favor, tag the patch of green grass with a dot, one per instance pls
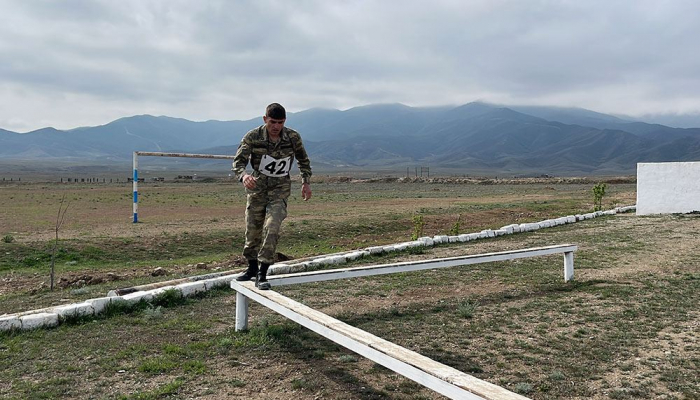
(169, 298)
(162, 391)
(111, 252)
(194, 367)
(235, 382)
(303, 384)
(151, 313)
(466, 309)
(318, 354)
(522, 388)
(157, 365)
(557, 376)
(50, 388)
(175, 350)
(348, 358)
(266, 335)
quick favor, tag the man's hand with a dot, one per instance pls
(249, 181)
(305, 191)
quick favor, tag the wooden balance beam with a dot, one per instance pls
(342, 273)
(439, 377)
(423, 370)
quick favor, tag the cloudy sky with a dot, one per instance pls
(75, 63)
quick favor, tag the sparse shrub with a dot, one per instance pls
(454, 231)
(8, 238)
(169, 298)
(347, 358)
(466, 309)
(522, 388)
(152, 313)
(226, 343)
(598, 194)
(557, 376)
(235, 382)
(318, 354)
(302, 384)
(60, 219)
(80, 291)
(418, 225)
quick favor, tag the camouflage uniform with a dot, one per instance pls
(266, 206)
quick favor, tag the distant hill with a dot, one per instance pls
(474, 136)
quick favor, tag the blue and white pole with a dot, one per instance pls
(136, 187)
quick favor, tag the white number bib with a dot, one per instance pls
(275, 168)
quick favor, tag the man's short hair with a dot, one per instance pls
(275, 111)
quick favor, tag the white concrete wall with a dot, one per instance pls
(665, 188)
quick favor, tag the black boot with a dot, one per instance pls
(250, 273)
(261, 280)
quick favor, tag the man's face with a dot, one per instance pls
(274, 126)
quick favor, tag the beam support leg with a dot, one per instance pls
(241, 312)
(568, 266)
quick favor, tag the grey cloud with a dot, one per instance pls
(183, 56)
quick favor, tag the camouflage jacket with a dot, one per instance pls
(255, 145)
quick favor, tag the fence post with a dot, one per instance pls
(136, 187)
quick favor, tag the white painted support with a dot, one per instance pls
(427, 241)
(375, 249)
(222, 281)
(241, 310)
(354, 255)
(41, 320)
(568, 266)
(438, 239)
(133, 298)
(8, 322)
(342, 273)
(278, 269)
(161, 290)
(192, 288)
(74, 310)
(508, 229)
(439, 377)
(100, 303)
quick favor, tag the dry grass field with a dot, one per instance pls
(625, 328)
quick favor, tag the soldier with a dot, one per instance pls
(271, 149)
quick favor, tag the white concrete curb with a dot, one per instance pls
(50, 317)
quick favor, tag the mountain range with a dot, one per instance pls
(472, 137)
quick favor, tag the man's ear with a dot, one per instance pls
(265, 119)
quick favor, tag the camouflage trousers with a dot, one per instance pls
(266, 208)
